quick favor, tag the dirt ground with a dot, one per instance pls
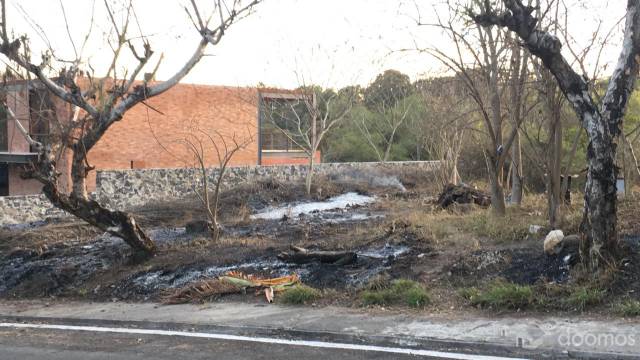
(399, 234)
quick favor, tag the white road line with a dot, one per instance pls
(315, 344)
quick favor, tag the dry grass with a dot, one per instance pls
(628, 308)
(628, 214)
(471, 224)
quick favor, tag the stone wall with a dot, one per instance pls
(127, 189)
(27, 208)
(131, 188)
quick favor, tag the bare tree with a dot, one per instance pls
(517, 105)
(389, 99)
(305, 117)
(479, 59)
(380, 133)
(448, 119)
(200, 143)
(603, 125)
(104, 101)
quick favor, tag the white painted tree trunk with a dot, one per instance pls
(600, 239)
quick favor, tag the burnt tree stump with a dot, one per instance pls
(299, 255)
(462, 194)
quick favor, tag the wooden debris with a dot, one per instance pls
(268, 293)
(232, 283)
(201, 291)
(301, 255)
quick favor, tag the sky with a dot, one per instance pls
(284, 43)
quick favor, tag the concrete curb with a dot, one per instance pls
(408, 342)
(538, 337)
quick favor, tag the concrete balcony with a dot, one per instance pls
(17, 157)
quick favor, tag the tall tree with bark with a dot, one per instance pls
(603, 125)
(104, 101)
(555, 120)
(479, 57)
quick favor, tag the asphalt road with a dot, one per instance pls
(46, 344)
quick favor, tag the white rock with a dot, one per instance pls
(534, 229)
(552, 240)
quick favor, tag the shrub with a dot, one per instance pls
(584, 297)
(299, 294)
(500, 294)
(416, 297)
(405, 292)
(470, 294)
(377, 297)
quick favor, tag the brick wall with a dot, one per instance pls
(17, 101)
(154, 136)
(20, 186)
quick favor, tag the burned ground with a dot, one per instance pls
(399, 235)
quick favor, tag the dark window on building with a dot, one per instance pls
(278, 128)
(42, 114)
(274, 139)
(4, 180)
(4, 141)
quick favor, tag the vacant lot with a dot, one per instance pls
(409, 252)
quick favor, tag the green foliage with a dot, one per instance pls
(500, 295)
(470, 294)
(405, 292)
(387, 89)
(299, 294)
(583, 297)
(389, 98)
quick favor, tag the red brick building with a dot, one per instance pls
(151, 135)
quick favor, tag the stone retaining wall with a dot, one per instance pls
(27, 208)
(130, 188)
(126, 189)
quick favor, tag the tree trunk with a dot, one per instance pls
(516, 172)
(309, 174)
(497, 193)
(455, 175)
(565, 181)
(79, 176)
(116, 223)
(387, 150)
(599, 220)
(603, 125)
